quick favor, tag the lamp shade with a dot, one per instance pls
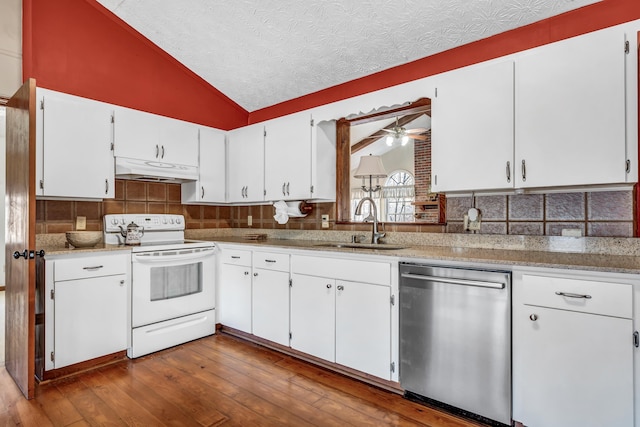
(370, 166)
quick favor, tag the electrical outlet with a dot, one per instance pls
(81, 223)
(325, 221)
(472, 224)
(249, 220)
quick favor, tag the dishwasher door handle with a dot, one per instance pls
(464, 282)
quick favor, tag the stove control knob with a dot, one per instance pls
(178, 220)
(171, 220)
(114, 221)
(164, 220)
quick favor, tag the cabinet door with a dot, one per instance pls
(363, 327)
(313, 316)
(570, 112)
(245, 167)
(234, 307)
(136, 134)
(270, 306)
(178, 141)
(90, 318)
(572, 369)
(472, 129)
(77, 160)
(288, 157)
(211, 187)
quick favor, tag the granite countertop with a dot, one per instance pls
(582, 261)
(603, 262)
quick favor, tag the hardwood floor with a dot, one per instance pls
(215, 381)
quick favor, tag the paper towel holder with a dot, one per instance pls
(298, 208)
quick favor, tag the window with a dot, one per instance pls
(394, 200)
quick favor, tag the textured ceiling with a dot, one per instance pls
(260, 53)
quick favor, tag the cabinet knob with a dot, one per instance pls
(533, 317)
(255, 274)
(341, 288)
(246, 273)
(328, 286)
(121, 282)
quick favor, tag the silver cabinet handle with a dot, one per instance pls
(106, 186)
(341, 288)
(287, 188)
(533, 317)
(162, 157)
(328, 286)
(246, 273)
(572, 295)
(255, 274)
(121, 282)
(508, 171)
(202, 192)
(283, 192)
(270, 260)
(157, 151)
(524, 171)
(95, 267)
(235, 257)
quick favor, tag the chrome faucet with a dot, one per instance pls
(375, 235)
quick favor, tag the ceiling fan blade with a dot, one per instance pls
(419, 137)
(417, 130)
(388, 130)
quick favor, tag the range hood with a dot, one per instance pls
(146, 170)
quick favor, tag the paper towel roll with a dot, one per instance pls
(285, 210)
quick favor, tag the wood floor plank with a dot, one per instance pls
(91, 407)
(173, 385)
(201, 393)
(267, 388)
(247, 398)
(269, 374)
(217, 381)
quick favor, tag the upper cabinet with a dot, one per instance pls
(288, 157)
(144, 136)
(74, 139)
(570, 112)
(554, 117)
(472, 129)
(211, 184)
(245, 167)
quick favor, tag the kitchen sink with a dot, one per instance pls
(379, 246)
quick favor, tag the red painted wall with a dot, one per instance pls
(79, 47)
(589, 18)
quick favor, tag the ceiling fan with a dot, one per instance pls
(399, 133)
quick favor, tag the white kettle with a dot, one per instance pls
(133, 234)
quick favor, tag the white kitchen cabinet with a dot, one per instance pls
(572, 355)
(234, 289)
(570, 112)
(86, 308)
(211, 185)
(323, 161)
(363, 332)
(343, 320)
(245, 167)
(270, 296)
(145, 136)
(472, 129)
(313, 315)
(287, 157)
(74, 147)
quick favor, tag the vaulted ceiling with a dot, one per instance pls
(260, 53)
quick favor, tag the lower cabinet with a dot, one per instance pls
(86, 312)
(234, 290)
(572, 351)
(270, 297)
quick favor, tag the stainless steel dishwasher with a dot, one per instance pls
(455, 339)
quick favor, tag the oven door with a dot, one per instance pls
(171, 283)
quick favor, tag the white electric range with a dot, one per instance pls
(172, 282)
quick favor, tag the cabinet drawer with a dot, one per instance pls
(609, 299)
(236, 257)
(343, 269)
(93, 266)
(271, 261)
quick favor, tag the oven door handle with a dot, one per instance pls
(162, 259)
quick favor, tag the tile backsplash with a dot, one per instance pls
(601, 213)
(604, 214)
